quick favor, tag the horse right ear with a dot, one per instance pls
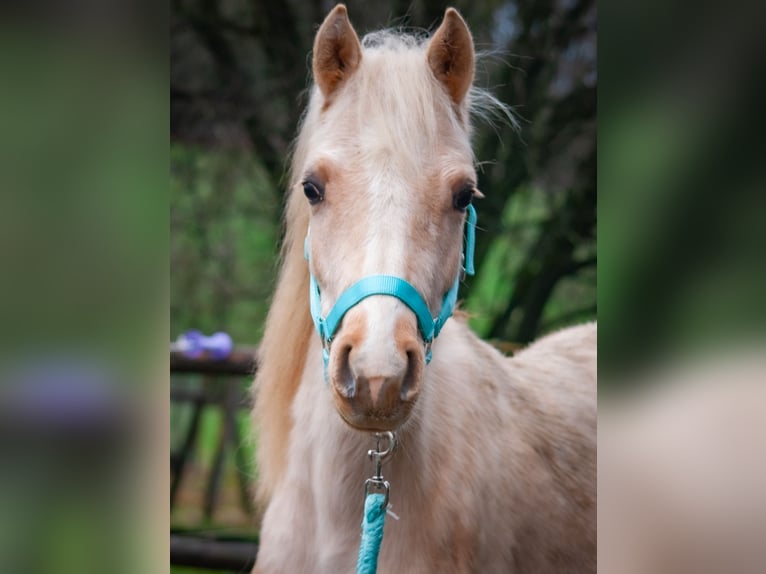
(337, 51)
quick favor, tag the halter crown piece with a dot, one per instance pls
(391, 286)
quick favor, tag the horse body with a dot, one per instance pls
(493, 473)
(496, 467)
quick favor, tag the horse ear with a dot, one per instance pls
(337, 51)
(450, 55)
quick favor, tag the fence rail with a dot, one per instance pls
(221, 386)
(241, 362)
(197, 551)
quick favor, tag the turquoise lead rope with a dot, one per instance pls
(376, 490)
(372, 533)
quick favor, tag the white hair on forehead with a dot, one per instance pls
(395, 39)
(481, 103)
(400, 104)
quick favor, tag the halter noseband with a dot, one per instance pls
(394, 287)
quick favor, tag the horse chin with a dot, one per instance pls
(377, 422)
(374, 425)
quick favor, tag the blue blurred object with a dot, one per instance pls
(194, 344)
(60, 390)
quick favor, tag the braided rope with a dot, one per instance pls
(372, 533)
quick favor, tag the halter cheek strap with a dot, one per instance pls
(392, 286)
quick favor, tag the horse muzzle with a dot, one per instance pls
(374, 393)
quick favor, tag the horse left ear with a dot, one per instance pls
(451, 57)
(337, 51)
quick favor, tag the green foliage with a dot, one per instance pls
(495, 279)
(225, 229)
(522, 224)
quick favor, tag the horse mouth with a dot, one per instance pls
(374, 424)
(374, 421)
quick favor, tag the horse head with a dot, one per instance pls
(387, 171)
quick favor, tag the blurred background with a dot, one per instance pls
(682, 278)
(240, 70)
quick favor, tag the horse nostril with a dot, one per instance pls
(344, 382)
(410, 382)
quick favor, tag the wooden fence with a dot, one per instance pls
(221, 385)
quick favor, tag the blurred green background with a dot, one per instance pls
(682, 186)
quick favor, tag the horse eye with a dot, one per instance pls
(313, 192)
(462, 199)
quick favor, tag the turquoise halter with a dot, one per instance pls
(392, 286)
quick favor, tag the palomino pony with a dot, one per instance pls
(496, 464)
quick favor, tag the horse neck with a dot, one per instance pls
(282, 353)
